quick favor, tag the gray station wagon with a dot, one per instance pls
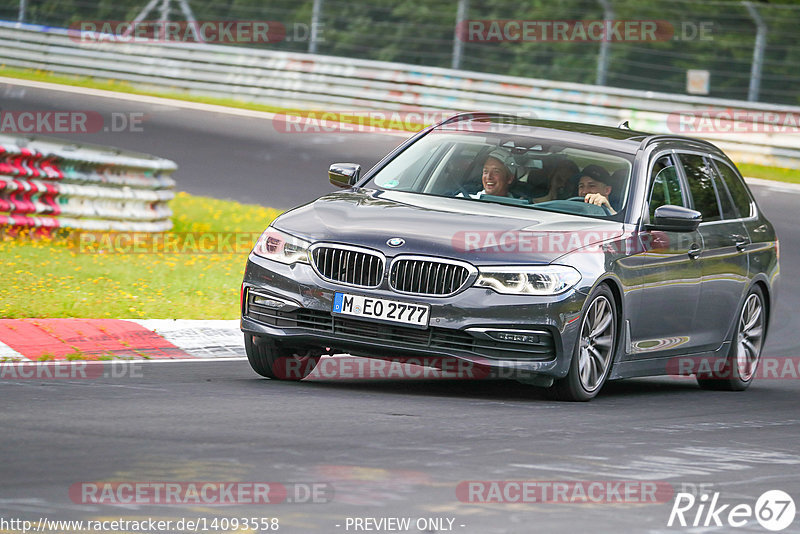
(561, 255)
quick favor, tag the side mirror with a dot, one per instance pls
(344, 174)
(675, 219)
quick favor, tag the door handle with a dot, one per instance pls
(741, 242)
(694, 252)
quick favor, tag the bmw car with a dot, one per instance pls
(561, 255)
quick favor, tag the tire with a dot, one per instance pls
(270, 360)
(593, 355)
(743, 358)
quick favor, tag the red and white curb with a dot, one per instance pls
(67, 339)
(65, 344)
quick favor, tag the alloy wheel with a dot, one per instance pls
(596, 343)
(751, 335)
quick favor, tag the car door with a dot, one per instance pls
(667, 274)
(746, 211)
(723, 260)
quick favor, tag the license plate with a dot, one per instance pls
(382, 309)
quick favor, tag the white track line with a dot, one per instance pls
(213, 108)
(783, 187)
(145, 99)
(199, 338)
(7, 352)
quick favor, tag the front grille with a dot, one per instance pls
(444, 339)
(353, 329)
(348, 265)
(427, 277)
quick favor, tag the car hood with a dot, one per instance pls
(478, 232)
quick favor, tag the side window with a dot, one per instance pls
(737, 189)
(666, 189)
(453, 170)
(725, 202)
(410, 170)
(700, 176)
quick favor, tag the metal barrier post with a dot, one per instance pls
(316, 13)
(602, 56)
(758, 52)
(458, 42)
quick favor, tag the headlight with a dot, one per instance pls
(542, 280)
(280, 246)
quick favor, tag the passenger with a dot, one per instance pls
(595, 186)
(498, 174)
(560, 174)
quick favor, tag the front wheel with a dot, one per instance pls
(594, 351)
(745, 353)
(270, 360)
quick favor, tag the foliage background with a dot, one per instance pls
(422, 32)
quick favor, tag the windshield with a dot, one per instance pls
(512, 169)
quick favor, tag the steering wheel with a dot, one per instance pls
(583, 199)
(463, 191)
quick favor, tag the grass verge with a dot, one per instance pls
(74, 276)
(779, 174)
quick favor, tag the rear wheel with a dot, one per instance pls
(745, 353)
(594, 351)
(268, 358)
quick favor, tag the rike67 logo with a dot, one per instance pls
(774, 510)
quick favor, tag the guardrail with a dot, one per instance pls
(45, 183)
(336, 83)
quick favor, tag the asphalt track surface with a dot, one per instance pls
(225, 156)
(388, 448)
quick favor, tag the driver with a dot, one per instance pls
(498, 174)
(595, 187)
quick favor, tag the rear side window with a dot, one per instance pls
(666, 189)
(700, 176)
(736, 188)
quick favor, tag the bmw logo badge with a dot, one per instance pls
(396, 242)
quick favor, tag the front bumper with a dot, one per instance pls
(463, 326)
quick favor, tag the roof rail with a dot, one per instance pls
(666, 137)
(472, 115)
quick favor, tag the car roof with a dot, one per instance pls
(620, 138)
